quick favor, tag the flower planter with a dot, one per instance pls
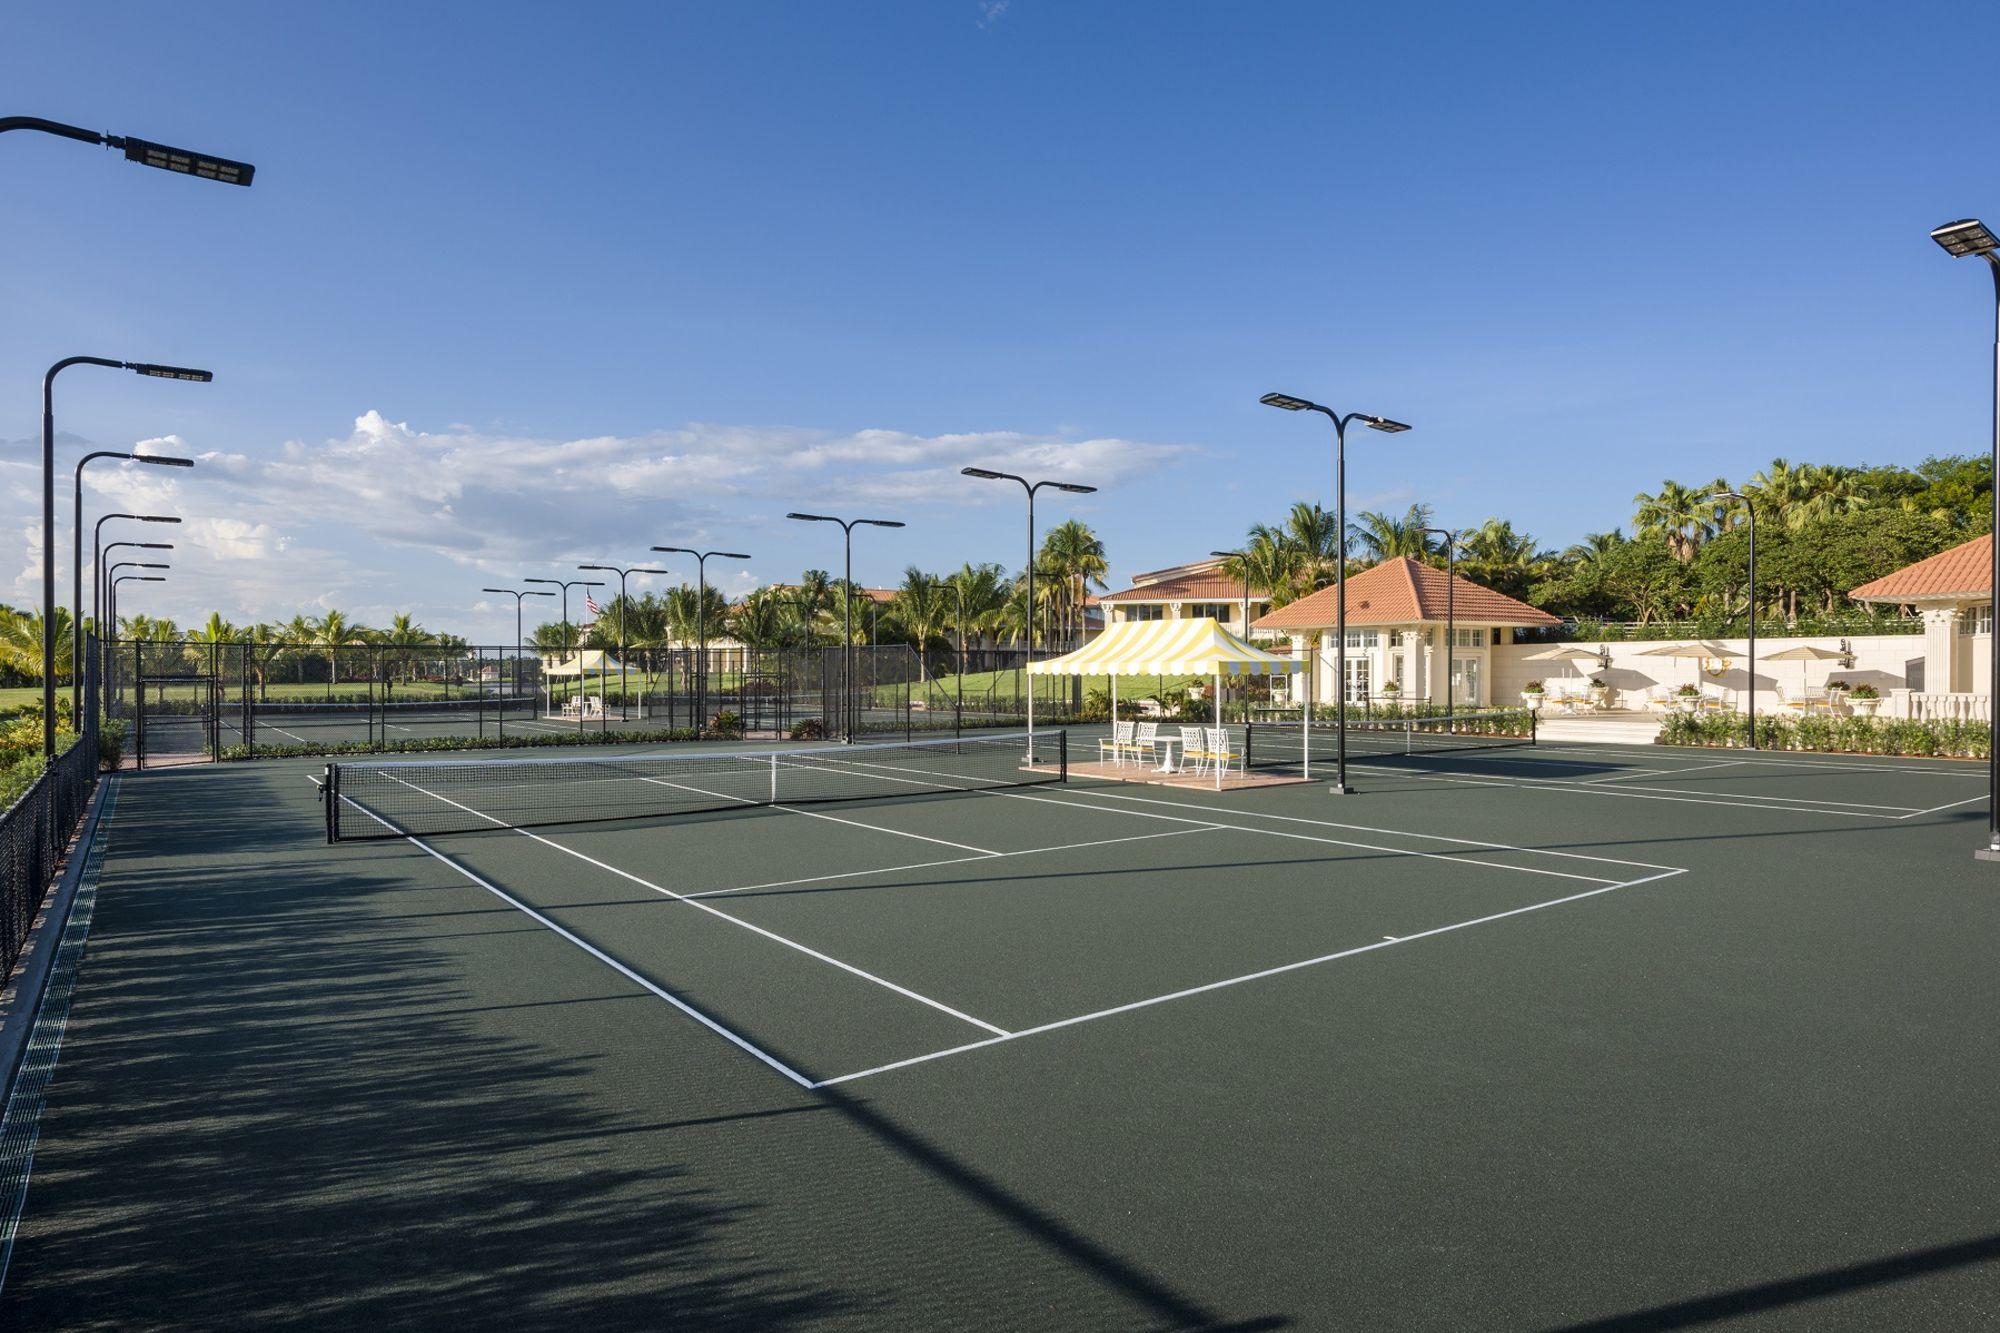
(1533, 699)
(1687, 703)
(1864, 707)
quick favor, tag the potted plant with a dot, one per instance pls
(1687, 698)
(1864, 699)
(1600, 689)
(1532, 694)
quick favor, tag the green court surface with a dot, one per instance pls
(1561, 1037)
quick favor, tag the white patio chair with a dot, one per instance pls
(1194, 748)
(593, 705)
(1119, 745)
(1146, 741)
(1220, 753)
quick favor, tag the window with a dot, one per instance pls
(1209, 610)
(1468, 638)
(1358, 678)
(1976, 620)
(1363, 638)
(1152, 612)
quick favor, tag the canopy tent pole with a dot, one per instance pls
(1306, 718)
(1217, 760)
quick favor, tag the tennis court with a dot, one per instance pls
(1531, 1036)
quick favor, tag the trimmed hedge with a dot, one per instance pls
(1831, 735)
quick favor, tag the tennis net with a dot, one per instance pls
(1284, 745)
(386, 799)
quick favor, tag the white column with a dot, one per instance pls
(1942, 673)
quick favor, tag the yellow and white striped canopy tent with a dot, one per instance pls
(1195, 647)
(589, 662)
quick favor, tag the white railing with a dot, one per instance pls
(1952, 707)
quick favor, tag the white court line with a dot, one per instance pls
(1658, 772)
(814, 814)
(1948, 768)
(597, 953)
(1369, 828)
(771, 935)
(1235, 981)
(1970, 800)
(956, 861)
(1530, 784)
(1813, 801)
(1277, 833)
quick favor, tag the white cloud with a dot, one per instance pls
(368, 516)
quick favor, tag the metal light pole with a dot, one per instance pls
(1450, 613)
(1749, 510)
(133, 578)
(1291, 404)
(701, 612)
(987, 474)
(76, 566)
(517, 594)
(847, 527)
(143, 151)
(624, 610)
(100, 595)
(49, 516)
(1962, 239)
(568, 646)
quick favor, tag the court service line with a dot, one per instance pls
(1815, 801)
(1970, 800)
(955, 861)
(1659, 772)
(1947, 768)
(1368, 828)
(1092, 1017)
(1533, 784)
(755, 929)
(628, 973)
(1280, 833)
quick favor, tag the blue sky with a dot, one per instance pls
(522, 286)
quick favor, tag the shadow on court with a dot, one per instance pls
(301, 1091)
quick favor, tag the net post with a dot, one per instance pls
(774, 777)
(329, 792)
(1062, 754)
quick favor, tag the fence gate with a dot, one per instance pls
(175, 720)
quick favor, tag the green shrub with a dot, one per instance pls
(724, 726)
(111, 742)
(812, 729)
(1950, 739)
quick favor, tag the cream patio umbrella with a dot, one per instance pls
(1197, 646)
(1564, 652)
(1804, 653)
(1700, 650)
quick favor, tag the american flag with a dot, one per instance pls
(590, 605)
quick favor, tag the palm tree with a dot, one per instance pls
(333, 631)
(21, 643)
(924, 606)
(214, 630)
(1682, 516)
(813, 599)
(980, 592)
(761, 620)
(1383, 537)
(1074, 557)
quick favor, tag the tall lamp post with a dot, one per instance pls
(1750, 510)
(577, 647)
(49, 515)
(76, 565)
(701, 615)
(1964, 239)
(517, 594)
(100, 595)
(143, 151)
(131, 578)
(624, 608)
(1450, 613)
(847, 527)
(987, 474)
(1340, 423)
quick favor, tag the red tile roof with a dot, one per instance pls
(1965, 570)
(1207, 587)
(1403, 592)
